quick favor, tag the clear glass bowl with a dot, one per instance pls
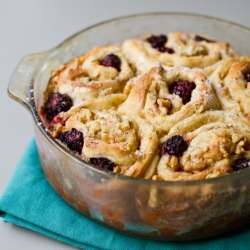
(182, 210)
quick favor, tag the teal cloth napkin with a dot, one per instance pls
(30, 202)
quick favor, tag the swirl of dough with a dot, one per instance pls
(129, 144)
(216, 139)
(151, 96)
(231, 81)
(180, 49)
(86, 76)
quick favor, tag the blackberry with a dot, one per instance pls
(73, 139)
(103, 163)
(55, 104)
(198, 38)
(158, 42)
(247, 77)
(175, 145)
(183, 89)
(111, 60)
(240, 163)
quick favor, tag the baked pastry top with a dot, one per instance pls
(175, 49)
(167, 107)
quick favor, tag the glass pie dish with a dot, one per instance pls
(159, 210)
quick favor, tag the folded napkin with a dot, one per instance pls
(30, 202)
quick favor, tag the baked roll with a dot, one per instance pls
(205, 145)
(175, 49)
(202, 146)
(101, 71)
(108, 139)
(166, 96)
(231, 81)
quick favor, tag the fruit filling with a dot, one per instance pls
(73, 139)
(240, 163)
(183, 89)
(175, 145)
(247, 77)
(158, 42)
(111, 60)
(55, 104)
(103, 163)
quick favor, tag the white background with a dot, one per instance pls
(28, 27)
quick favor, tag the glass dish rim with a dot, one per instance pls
(72, 156)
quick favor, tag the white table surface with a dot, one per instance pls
(27, 27)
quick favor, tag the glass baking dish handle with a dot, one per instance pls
(22, 78)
